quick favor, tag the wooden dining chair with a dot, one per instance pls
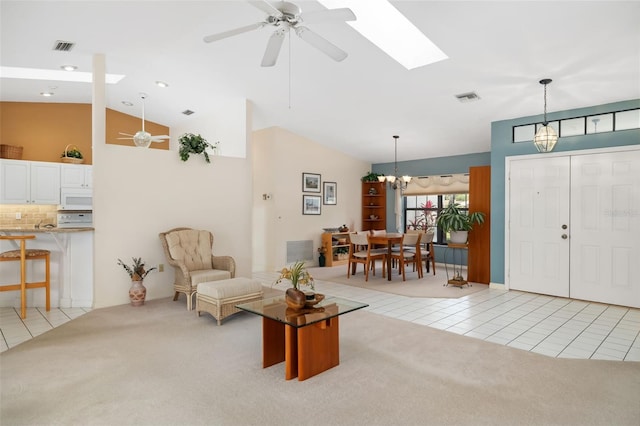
(428, 254)
(412, 255)
(360, 251)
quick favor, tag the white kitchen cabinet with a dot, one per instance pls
(29, 182)
(76, 176)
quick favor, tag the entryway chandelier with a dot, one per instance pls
(396, 181)
(545, 138)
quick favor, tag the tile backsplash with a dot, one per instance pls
(29, 215)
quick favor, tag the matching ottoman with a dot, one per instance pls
(220, 297)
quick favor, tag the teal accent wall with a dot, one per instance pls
(429, 167)
(503, 147)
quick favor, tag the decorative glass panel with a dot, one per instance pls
(572, 127)
(523, 133)
(600, 123)
(628, 119)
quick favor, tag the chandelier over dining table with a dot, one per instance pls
(396, 181)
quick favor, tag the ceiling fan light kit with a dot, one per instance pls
(546, 138)
(287, 16)
(143, 138)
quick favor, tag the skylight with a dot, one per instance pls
(383, 25)
(54, 75)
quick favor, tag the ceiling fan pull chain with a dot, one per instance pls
(289, 69)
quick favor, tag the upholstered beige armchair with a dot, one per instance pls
(190, 252)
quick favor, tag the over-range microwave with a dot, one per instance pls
(76, 199)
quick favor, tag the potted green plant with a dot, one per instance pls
(194, 144)
(137, 272)
(458, 223)
(371, 177)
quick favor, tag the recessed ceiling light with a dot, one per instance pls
(46, 94)
(383, 25)
(161, 84)
(69, 67)
(127, 103)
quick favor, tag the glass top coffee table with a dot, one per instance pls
(306, 339)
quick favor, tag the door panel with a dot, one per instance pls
(605, 222)
(539, 207)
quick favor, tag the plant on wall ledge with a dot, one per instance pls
(195, 144)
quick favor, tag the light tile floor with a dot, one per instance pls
(15, 330)
(547, 325)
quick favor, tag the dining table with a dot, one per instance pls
(388, 239)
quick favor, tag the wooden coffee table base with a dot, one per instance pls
(306, 351)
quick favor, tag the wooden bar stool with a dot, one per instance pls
(23, 255)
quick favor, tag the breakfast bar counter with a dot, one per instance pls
(71, 266)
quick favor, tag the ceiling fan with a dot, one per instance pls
(286, 16)
(142, 138)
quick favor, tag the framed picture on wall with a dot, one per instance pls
(330, 193)
(310, 182)
(310, 204)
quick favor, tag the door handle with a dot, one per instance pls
(564, 236)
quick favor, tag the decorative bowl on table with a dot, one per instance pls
(310, 303)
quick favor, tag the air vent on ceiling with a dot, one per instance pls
(63, 46)
(468, 97)
(187, 112)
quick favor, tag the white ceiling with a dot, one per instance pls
(500, 50)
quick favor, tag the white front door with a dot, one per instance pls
(538, 212)
(605, 227)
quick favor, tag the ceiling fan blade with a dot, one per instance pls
(159, 138)
(126, 138)
(341, 14)
(266, 7)
(322, 44)
(273, 48)
(231, 33)
(125, 134)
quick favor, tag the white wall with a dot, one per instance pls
(217, 127)
(139, 193)
(280, 158)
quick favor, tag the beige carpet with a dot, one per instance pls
(429, 286)
(162, 365)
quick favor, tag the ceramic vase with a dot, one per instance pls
(295, 298)
(137, 293)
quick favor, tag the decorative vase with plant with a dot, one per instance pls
(458, 222)
(195, 144)
(298, 275)
(137, 272)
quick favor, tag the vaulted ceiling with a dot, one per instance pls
(499, 50)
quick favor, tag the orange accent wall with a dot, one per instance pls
(45, 129)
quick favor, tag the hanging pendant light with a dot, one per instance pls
(546, 138)
(396, 181)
